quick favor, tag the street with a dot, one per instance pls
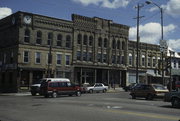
(89, 107)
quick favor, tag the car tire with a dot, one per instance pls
(33, 93)
(150, 97)
(78, 93)
(90, 91)
(175, 102)
(54, 94)
(104, 90)
(46, 95)
(133, 96)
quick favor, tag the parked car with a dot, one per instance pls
(173, 97)
(97, 87)
(129, 87)
(148, 91)
(56, 88)
(35, 88)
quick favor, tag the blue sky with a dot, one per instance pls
(120, 11)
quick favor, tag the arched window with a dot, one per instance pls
(105, 43)
(114, 44)
(27, 35)
(90, 40)
(50, 39)
(100, 42)
(59, 40)
(118, 44)
(39, 37)
(68, 41)
(130, 59)
(123, 45)
(79, 39)
(85, 40)
(154, 61)
(143, 60)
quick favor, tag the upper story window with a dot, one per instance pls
(11, 57)
(79, 39)
(85, 40)
(100, 42)
(68, 41)
(143, 60)
(114, 44)
(26, 56)
(99, 57)
(89, 56)
(39, 37)
(104, 58)
(122, 59)
(27, 35)
(67, 57)
(178, 64)
(59, 59)
(130, 59)
(90, 40)
(84, 56)
(174, 63)
(114, 59)
(59, 40)
(4, 58)
(50, 39)
(105, 43)
(149, 61)
(37, 57)
(154, 61)
(118, 44)
(123, 45)
(78, 55)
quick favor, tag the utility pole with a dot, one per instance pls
(138, 39)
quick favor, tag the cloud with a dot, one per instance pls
(4, 11)
(151, 32)
(104, 3)
(172, 7)
(174, 44)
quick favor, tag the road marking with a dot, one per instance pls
(148, 115)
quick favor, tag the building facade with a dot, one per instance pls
(85, 50)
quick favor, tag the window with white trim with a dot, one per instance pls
(37, 57)
(26, 57)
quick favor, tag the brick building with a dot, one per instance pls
(85, 50)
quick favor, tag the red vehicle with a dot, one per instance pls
(54, 89)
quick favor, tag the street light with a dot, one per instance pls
(161, 41)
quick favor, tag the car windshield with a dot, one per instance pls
(159, 87)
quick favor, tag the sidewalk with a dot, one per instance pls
(16, 94)
(119, 89)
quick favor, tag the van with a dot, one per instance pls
(35, 88)
(55, 88)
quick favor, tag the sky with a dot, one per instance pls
(119, 11)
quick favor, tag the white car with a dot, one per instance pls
(98, 87)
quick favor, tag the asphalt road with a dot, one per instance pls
(88, 107)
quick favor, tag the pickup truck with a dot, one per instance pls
(173, 97)
(97, 87)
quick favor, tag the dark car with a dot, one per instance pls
(148, 91)
(129, 87)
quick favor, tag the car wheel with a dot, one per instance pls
(78, 93)
(175, 102)
(33, 93)
(133, 96)
(46, 95)
(90, 91)
(104, 90)
(54, 94)
(149, 97)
